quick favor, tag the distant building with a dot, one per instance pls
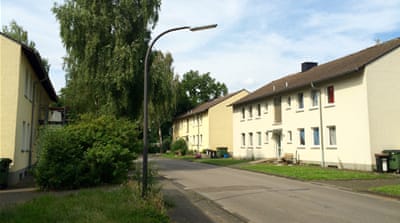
(209, 125)
(25, 94)
(339, 113)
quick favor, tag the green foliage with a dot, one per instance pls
(198, 88)
(90, 152)
(105, 42)
(166, 145)
(179, 145)
(119, 204)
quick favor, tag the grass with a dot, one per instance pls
(393, 190)
(122, 204)
(312, 172)
(217, 161)
(222, 161)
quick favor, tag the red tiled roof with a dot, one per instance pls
(333, 69)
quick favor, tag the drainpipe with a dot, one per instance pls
(321, 126)
(32, 120)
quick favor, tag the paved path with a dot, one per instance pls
(255, 197)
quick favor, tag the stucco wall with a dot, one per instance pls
(220, 124)
(383, 78)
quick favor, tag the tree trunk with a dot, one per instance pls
(160, 138)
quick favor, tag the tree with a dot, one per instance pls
(18, 33)
(162, 92)
(105, 42)
(195, 89)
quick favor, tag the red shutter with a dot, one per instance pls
(331, 95)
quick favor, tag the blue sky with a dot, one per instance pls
(256, 41)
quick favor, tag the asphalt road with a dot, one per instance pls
(254, 197)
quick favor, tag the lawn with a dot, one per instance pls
(222, 161)
(312, 172)
(388, 189)
(121, 204)
(217, 161)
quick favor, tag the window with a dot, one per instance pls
(201, 139)
(300, 100)
(315, 136)
(332, 135)
(331, 94)
(187, 125)
(289, 135)
(243, 139)
(26, 89)
(250, 139)
(258, 138)
(193, 139)
(289, 101)
(23, 136)
(28, 137)
(302, 137)
(243, 113)
(266, 137)
(314, 98)
(258, 110)
(251, 111)
(266, 107)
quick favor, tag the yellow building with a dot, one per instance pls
(209, 125)
(338, 114)
(25, 94)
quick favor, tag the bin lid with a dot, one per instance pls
(381, 155)
(395, 151)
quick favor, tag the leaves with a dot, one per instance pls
(105, 43)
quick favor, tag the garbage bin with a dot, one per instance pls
(394, 159)
(381, 162)
(221, 151)
(4, 166)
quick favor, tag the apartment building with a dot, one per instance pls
(335, 114)
(25, 94)
(209, 125)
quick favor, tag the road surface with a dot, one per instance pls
(255, 197)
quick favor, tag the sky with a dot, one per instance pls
(255, 42)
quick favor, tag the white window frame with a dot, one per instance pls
(290, 137)
(259, 139)
(300, 101)
(330, 144)
(302, 145)
(251, 139)
(315, 139)
(315, 99)
(243, 139)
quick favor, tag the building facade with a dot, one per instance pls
(336, 114)
(209, 125)
(25, 94)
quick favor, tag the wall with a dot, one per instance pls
(383, 78)
(220, 123)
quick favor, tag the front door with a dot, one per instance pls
(278, 144)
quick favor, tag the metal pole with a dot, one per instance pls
(145, 98)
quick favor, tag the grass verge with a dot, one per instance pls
(121, 204)
(312, 172)
(393, 190)
(217, 161)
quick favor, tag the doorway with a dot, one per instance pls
(277, 137)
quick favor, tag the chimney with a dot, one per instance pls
(308, 65)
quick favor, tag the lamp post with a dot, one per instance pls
(145, 98)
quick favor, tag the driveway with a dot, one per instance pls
(255, 197)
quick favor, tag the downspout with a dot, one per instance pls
(320, 124)
(32, 120)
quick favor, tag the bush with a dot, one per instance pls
(179, 145)
(166, 144)
(91, 152)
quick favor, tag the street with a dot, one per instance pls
(255, 197)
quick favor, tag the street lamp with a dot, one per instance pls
(145, 99)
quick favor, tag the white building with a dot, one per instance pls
(357, 115)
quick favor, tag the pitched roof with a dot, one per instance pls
(333, 69)
(36, 62)
(207, 105)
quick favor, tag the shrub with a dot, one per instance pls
(90, 152)
(166, 144)
(179, 145)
